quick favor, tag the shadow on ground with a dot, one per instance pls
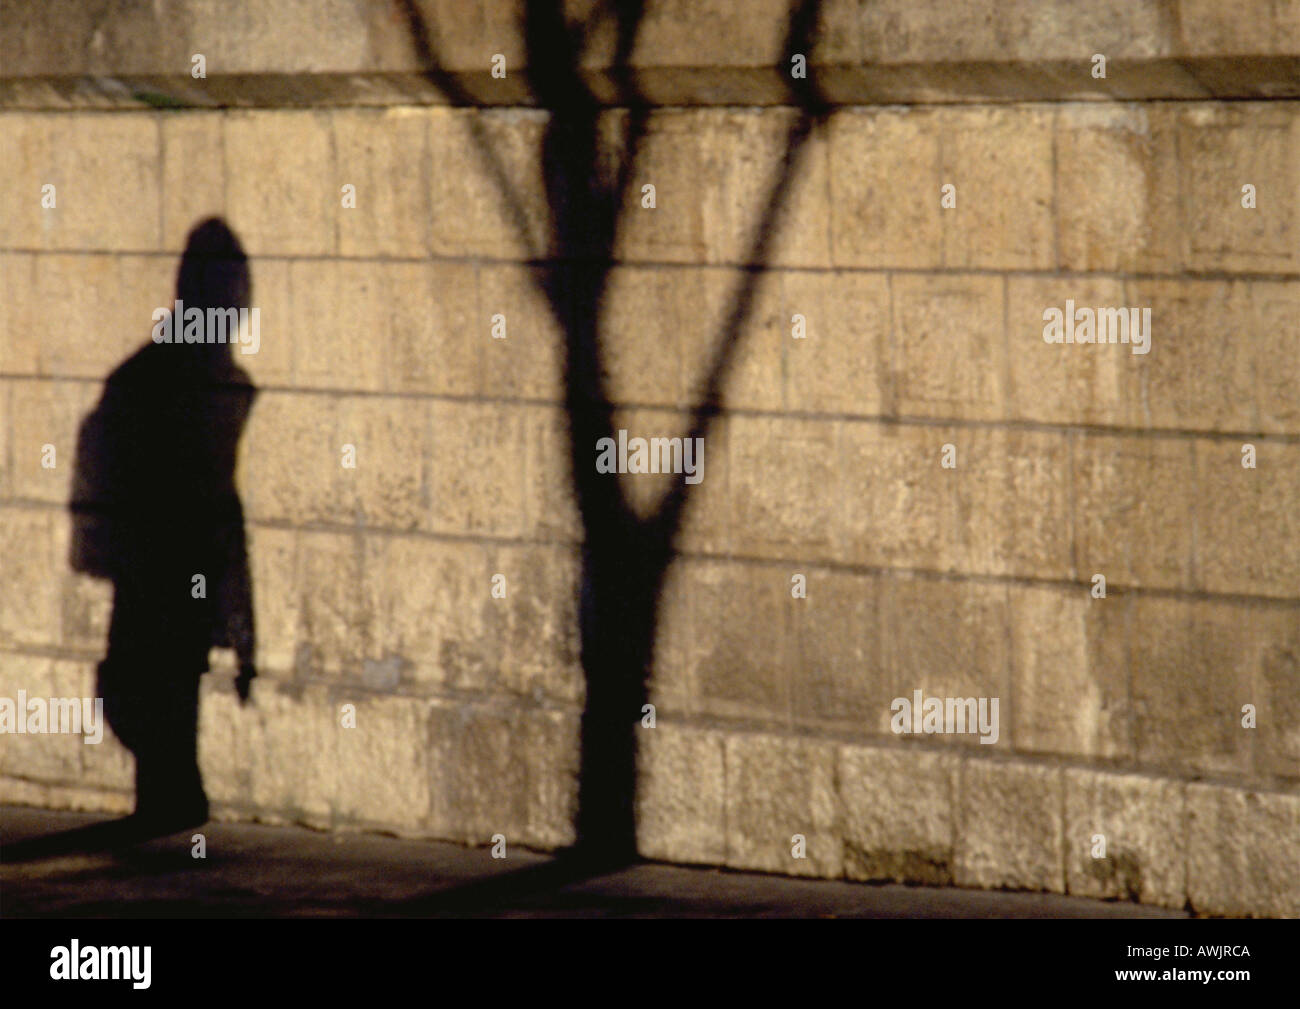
(261, 871)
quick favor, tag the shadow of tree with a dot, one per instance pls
(625, 556)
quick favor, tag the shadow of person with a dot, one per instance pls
(155, 510)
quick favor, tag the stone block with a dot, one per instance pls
(476, 469)
(784, 482)
(1247, 538)
(1222, 148)
(529, 362)
(1070, 383)
(29, 606)
(1118, 211)
(884, 189)
(742, 654)
(193, 173)
(384, 155)
(1133, 510)
(1195, 664)
(681, 798)
(432, 606)
(383, 775)
(947, 639)
(899, 503)
(999, 158)
(841, 366)
(1070, 673)
(280, 186)
(898, 815)
(533, 630)
(487, 194)
(1242, 852)
(389, 487)
(748, 157)
(1141, 823)
(1010, 831)
(950, 346)
(778, 787)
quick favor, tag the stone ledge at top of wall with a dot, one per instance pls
(258, 53)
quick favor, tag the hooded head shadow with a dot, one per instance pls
(155, 511)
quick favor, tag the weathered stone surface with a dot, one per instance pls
(435, 338)
(898, 505)
(1070, 383)
(946, 639)
(779, 787)
(294, 51)
(383, 155)
(681, 813)
(50, 756)
(433, 600)
(273, 569)
(84, 603)
(740, 155)
(1242, 852)
(287, 746)
(1247, 537)
(1009, 826)
(1274, 323)
(835, 631)
(290, 457)
(471, 153)
(29, 606)
(653, 334)
(884, 190)
(1196, 375)
(1000, 162)
(1069, 673)
(822, 458)
(1133, 510)
(1195, 664)
(335, 305)
(533, 627)
(1116, 208)
(527, 361)
(279, 180)
(784, 482)
(1142, 855)
(1011, 490)
(46, 413)
(193, 173)
(497, 770)
(551, 510)
(1222, 149)
(19, 310)
(389, 485)
(950, 348)
(476, 469)
(1277, 742)
(335, 626)
(840, 366)
(742, 656)
(383, 777)
(899, 821)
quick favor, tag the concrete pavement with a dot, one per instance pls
(271, 871)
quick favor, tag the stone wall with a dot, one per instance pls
(1120, 716)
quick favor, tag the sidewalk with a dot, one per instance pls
(259, 871)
